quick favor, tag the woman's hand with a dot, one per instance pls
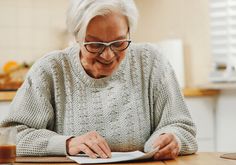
(169, 148)
(91, 143)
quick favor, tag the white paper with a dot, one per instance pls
(116, 157)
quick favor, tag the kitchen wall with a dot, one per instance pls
(184, 19)
(30, 28)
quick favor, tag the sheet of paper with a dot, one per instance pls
(116, 157)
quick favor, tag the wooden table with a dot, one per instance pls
(196, 159)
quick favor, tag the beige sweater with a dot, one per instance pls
(140, 101)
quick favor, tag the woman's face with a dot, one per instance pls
(106, 29)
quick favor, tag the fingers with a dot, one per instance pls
(84, 148)
(97, 146)
(163, 140)
(168, 147)
(91, 144)
(170, 151)
(104, 146)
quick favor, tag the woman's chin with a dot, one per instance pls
(105, 72)
(106, 67)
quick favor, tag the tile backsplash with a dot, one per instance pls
(31, 28)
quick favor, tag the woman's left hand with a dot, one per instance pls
(169, 148)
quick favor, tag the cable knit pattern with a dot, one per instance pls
(130, 108)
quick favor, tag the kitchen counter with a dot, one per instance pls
(7, 95)
(187, 92)
(198, 92)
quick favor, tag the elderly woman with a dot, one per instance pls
(103, 93)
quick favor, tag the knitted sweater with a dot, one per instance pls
(130, 108)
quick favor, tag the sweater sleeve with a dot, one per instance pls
(32, 112)
(170, 113)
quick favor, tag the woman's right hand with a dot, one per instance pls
(91, 143)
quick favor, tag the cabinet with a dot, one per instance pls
(226, 121)
(202, 110)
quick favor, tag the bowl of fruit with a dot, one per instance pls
(13, 75)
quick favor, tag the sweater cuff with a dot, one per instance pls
(57, 145)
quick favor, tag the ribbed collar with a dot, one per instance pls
(73, 53)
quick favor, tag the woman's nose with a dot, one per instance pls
(107, 54)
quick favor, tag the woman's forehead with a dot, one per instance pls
(109, 27)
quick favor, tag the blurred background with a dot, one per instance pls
(198, 37)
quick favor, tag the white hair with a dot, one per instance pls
(81, 12)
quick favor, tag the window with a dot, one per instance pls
(223, 40)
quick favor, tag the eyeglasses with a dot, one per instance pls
(99, 47)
